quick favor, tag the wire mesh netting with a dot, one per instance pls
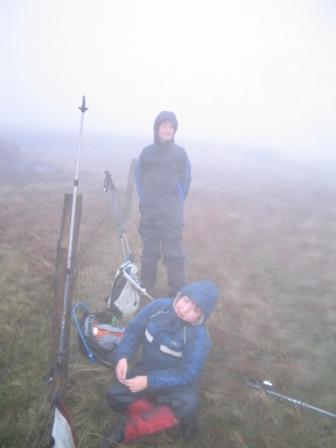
(28, 338)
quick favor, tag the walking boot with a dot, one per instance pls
(189, 430)
(115, 437)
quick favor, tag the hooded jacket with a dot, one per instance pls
(163, 178)
(174, 351)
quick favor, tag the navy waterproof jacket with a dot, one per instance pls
(174, 351)
(162, 177)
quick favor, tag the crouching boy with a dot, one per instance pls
(161, 391)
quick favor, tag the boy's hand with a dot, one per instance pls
(121, 370)
(137, 383)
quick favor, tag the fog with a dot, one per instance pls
(258, 74)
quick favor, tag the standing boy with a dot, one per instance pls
(162, 179)
(161, 391)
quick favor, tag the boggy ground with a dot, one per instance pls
(267, 238)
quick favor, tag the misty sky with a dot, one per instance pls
(238, 71)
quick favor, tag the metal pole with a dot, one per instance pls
(267, 387)
(300, 403)
(61, 350)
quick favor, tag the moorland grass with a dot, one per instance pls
(268, 242)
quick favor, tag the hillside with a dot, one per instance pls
(262, 227)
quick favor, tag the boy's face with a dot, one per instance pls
(166, 131)
(187, 310)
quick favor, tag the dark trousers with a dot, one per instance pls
(183, 400)
(166, 241)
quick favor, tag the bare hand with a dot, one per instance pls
(137, 383)
(121, 370)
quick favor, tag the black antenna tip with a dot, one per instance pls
(83, 107)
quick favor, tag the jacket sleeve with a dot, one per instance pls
(139, 173)
(194, 357)
(186, 177)
(135, 331)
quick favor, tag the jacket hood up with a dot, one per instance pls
(204, 294)
(164, 116)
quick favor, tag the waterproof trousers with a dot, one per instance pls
(165, 241)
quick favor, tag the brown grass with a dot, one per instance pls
(267, 243)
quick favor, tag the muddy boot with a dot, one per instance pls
(114, 438)
(189, 430)
(148, 278)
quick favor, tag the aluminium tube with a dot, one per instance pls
(267, 387)
(69, 267)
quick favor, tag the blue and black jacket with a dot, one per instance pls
(163, 177)
(174, 351)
